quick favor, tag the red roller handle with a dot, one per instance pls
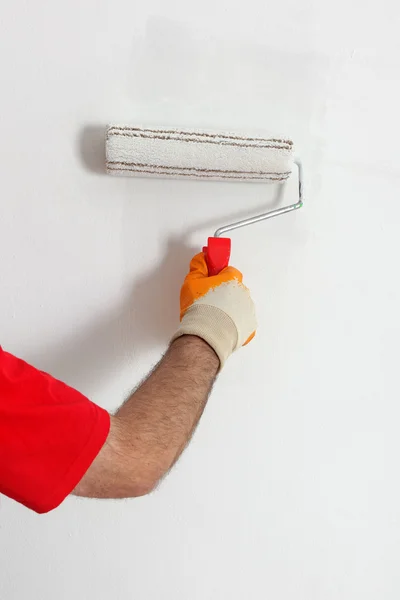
(217, 254)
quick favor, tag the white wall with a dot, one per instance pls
(291, 488)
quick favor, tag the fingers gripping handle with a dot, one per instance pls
(217, 254)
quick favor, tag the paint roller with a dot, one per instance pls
(177, 153)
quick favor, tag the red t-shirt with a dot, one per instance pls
(49, 435)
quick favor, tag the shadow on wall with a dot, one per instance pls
(147, 318)
(149, 313)
(92, 149)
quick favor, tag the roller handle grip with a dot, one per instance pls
(217, 254)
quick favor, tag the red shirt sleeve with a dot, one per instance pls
(49, 435)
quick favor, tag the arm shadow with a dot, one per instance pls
(146, 318)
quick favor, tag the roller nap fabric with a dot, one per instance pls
(197, 154)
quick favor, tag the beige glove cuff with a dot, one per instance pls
(214, 326)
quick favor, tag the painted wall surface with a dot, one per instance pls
(291, 487)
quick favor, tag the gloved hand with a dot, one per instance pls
(218, 309)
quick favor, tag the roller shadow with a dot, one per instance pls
(91, 148)
(146, 318)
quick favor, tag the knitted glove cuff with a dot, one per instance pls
(214, 326)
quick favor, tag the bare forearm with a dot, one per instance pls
(162, 413)
(149, 432)
(151, 429)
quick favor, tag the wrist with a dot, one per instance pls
(195, 344)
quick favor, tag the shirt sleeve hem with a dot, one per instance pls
(79, 467)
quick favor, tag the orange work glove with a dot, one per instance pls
(218, 309)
